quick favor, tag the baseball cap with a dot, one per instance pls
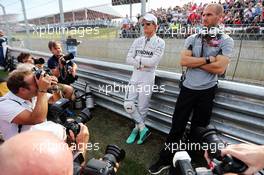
(150, 17)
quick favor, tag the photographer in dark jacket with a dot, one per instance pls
(64, 70)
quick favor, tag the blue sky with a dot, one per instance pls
(37, 8)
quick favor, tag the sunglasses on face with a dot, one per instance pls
(147, 24)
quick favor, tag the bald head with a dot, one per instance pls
(218, 8)
(212, 15)
(35, 153)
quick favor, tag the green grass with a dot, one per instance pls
(90, 33)
(107, 127)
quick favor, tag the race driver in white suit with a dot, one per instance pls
(144, 54)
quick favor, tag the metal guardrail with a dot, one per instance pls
(238, 108)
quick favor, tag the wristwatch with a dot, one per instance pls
(207, 59)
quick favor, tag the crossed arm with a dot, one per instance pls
(218, 64)
(140, 61)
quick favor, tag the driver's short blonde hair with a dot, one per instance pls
(53, 44)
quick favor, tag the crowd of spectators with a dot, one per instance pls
(238, 13)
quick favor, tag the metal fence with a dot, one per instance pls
(238, 32)
(246, 63)
(238, 108)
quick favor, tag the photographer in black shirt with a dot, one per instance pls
(62, 66)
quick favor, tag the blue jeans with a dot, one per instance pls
(72, 49)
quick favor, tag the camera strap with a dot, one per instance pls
(202, 48)
(63, 72)
(18, 126)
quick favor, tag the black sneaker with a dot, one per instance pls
(158, 167)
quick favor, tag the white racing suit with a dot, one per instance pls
(144, 54)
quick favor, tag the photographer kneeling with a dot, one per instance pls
(66, 90)
(25, 107)
(62, 66)
(26, 104)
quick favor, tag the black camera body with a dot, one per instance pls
(74, 126)
(44, 72)
(67, 63)
(99, 167)
(106, 166)
(226, 164)
(39, 61)
(57, 111)
(220, 165)
(66, 59)
(39, 72)
(58, 114)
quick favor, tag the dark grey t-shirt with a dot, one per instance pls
(196, 78)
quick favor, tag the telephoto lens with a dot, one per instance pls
(66, 58)
(225, 164)
(58, 112)
(210, 136)
(39, 61)
(69, 56)
(73, 124)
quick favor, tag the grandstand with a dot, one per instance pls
(236, 13)
(84, 14)
(241, 16)
(11, 18)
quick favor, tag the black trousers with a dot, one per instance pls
(198, 101)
